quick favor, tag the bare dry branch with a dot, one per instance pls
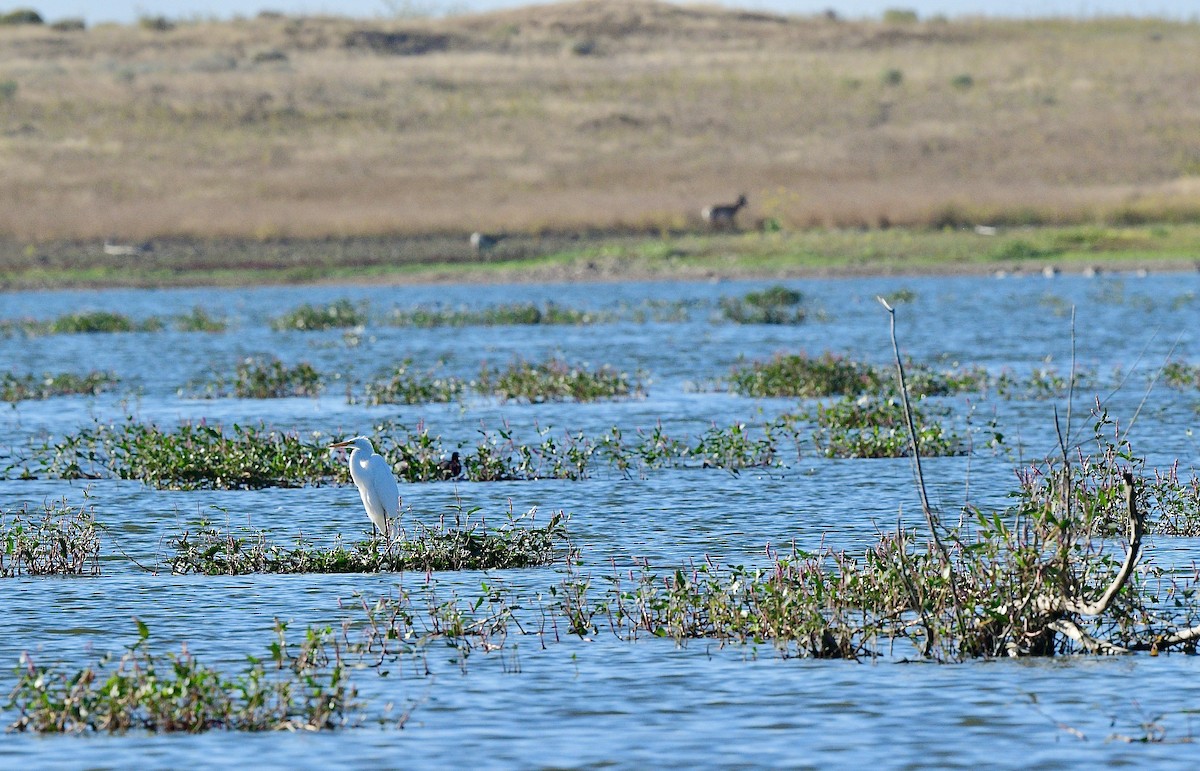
(1136, 530)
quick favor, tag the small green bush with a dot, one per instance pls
(900, 16)
(892, 77)
(963, 82)
(21, 16)
(156, 23)
(72, 24)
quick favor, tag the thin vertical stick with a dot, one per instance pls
(930, 516)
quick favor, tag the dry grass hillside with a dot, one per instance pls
(625, 114)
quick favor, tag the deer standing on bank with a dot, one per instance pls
(723, 216)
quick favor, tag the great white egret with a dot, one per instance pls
(375, 481)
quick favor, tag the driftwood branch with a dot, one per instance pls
(1089, 643)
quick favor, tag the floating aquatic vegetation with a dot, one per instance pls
(84, 322)
(194, 456)
(406, 386)
(303, 687)
(775, 305)
(16, 388)
(466, 545)
(336, 315)
(496, 315)
(1178, 374)
(58, 540)
(556, 380)
(266, 377)
(803, 376)
(873, 427)
(198, 320)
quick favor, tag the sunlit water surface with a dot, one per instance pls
(553, 699)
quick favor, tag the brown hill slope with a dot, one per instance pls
(600, 114)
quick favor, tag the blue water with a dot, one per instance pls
(555, 700)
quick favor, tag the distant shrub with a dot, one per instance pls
(8, 89)
(581, 47)
(892, 77)
(156, 23)
(21, 16)
(1021, 250)
(900, 16)
(69, 25)
(963, 82)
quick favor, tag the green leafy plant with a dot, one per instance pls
(15, 388)
(302, 688)
(467, 545)
(339, 314)
(266, 377)
(199, 320)
(58, 540)
(406, 386)
(556, 380)
(804, 376)
(775, 305)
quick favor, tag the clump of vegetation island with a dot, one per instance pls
(807, 377)
(266, 377)
(56, 540)
(874, 427)
(556, 380)
(16, 388)
(512, 314)
(199, 320)
(339, 314)
(775, 305)
(467, 545)
(83, 322)
(194, 456)
(1038, 579)
(295, 687)
(404, 385)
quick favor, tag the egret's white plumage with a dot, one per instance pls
(375, 481)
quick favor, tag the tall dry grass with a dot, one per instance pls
(591, 114)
